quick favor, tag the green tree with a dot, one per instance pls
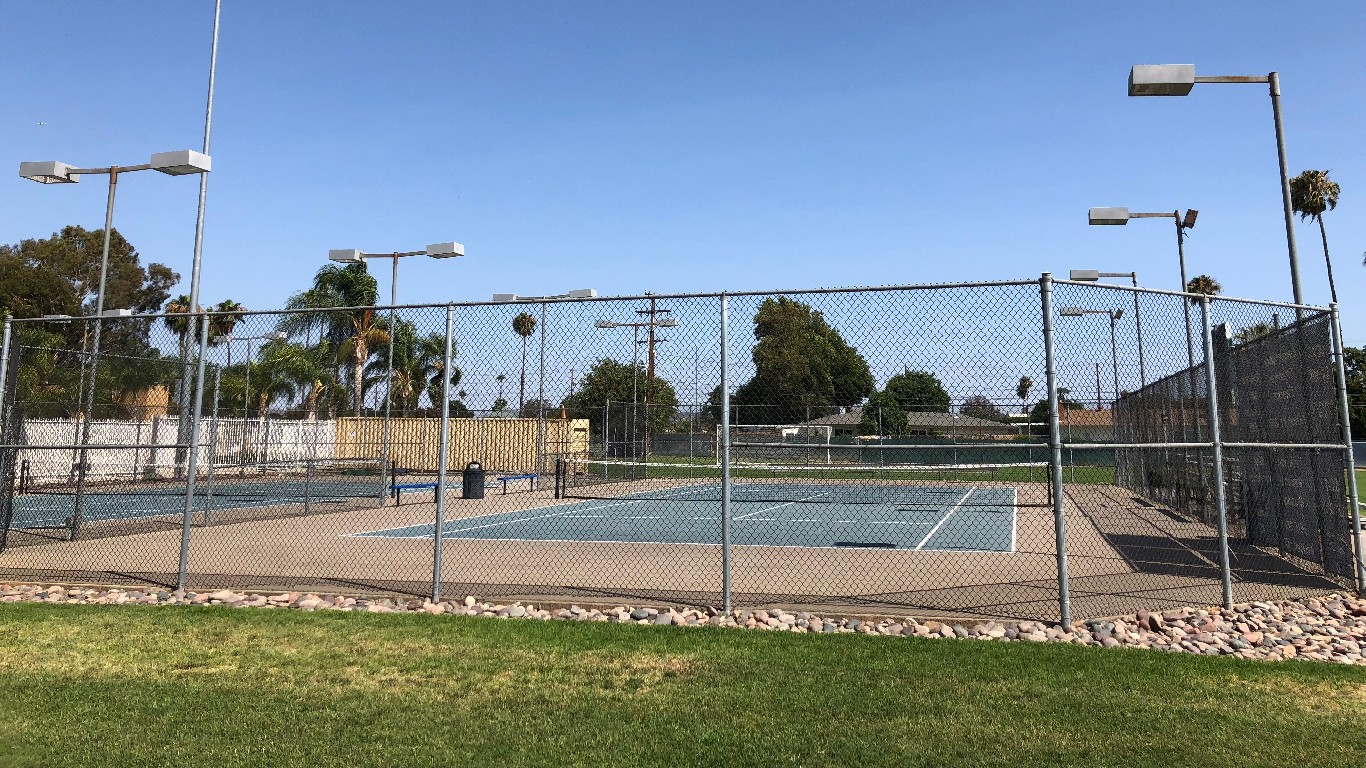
(354, 332)
(61, 274)
(1354, 362)
(221, 325)
(1313, 194)
(981, 407)
(919, 391)
(1203, 284)
(883, 415)
(610, 381)
(418, 361)
(1039, 413)
(1252, 333)
(800, 363)
(1022, 392)
(523, 325)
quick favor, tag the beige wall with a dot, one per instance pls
(501, 445)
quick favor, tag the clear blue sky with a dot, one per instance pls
(635, 147)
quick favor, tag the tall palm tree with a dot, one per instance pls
(1312, 194)
(1022, 392)
(354, 331)
(417, 365)
(1203, 284)
(308, 371)
(221, 325)
(178, 316)
(523, 325)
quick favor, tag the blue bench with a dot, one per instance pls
(397, 490)
(505, 479)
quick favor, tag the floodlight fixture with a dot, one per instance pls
(1084, 275)
(58, 318)
(1189, 220)
(504, 297)
(1071, 311)
(117, 313)
(1118, 313)
(276, 336)
(445, 250)
(1107, 216)
(1161, 79)
(583, 293)
(346, 256)
(668, 322)
(182, 162)
(48, 172)
(605, 324)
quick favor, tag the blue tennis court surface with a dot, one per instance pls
(52, 509)
(763, 514)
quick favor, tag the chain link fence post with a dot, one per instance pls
(192, 460)
(1217, 444)
(1055, 448)
(442, 453)
(4, 367)
(1340, 369)
(725, 457)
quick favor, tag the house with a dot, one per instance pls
(950, 425)
(1086, 426)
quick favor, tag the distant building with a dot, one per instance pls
(950, 425)
(1086, 426)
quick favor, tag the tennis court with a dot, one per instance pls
(52, 504)
(822, 515)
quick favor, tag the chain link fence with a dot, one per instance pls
(1014, 449)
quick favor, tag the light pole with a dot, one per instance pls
(578, 293)
(1177, 80)
(353, 256)
(1120, 216)
(178, 163)
(652, 323)
(246, 387)
(1114, 315)
(1091, 275)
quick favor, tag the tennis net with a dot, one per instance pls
(332, 478)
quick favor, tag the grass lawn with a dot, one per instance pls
(87, 686)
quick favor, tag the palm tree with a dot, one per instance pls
(178, 316)
(1022, 392)
(1203, 284)
(1312, 194)
(523, 325)
(221, 325)
(417, 365)
(308, 371)
(354, 332)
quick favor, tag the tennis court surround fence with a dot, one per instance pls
(870, 450)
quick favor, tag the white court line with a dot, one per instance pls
(943, 520)
(1014, 516)
(780, 506)
(625, 502)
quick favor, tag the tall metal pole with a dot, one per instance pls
(1274, 81)
(213, 444)
(199, 219)
(246, 412)
(1055, 449)
(389, 375)
(1212, 403)
(88, 404)
(443, 454)
(1185, 304)
(1345, 416)
(540, 402)
(1138, 324)
(4, 368)
(193, 461)
(1114, 353)
(635, 407)
(725, 459)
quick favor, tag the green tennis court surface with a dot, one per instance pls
(920, 518)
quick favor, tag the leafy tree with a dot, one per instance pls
(523, 325)
(919, 391)
(1313, 194)
(883, 415)
(355, 332)
(1252, 333)
(1039, 413)
(981, 407)
(500, 404)
(799, 362)
(1354, 362)
(609, 380)
(1022, 392)
(61, 275)
(1203, 284)
(534, 408)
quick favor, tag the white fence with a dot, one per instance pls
(148, 448)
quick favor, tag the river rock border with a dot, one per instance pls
(1331, 628)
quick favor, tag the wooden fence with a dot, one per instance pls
(501, 445)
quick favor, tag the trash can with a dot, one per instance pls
(472, 483)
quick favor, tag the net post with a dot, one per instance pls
(1217, 446)
(443, 456)
(724, 458)
(1340, 368)
(1055, 448)
(192, 461)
